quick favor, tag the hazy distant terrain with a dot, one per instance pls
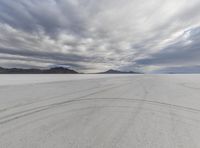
(99, 111)
(54, 70)
(111, 71)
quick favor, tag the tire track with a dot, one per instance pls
(190, 87)
(28, 112)
(42, 108)
(84, 98)
(54, 97)
(50, 98)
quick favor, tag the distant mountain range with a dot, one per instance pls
(111, 71)
(55, 70)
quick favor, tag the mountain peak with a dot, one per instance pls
(112, 71)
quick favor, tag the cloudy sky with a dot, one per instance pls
(151, 36)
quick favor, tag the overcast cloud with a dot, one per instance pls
(96, 35)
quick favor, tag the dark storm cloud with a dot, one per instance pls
(182, 70)
(51, 56)
(94, 35)
(50, 16)
(185, 51)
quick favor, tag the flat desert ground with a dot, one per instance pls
(100, 111)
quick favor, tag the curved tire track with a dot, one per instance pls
(28, 112)
(23, 113)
